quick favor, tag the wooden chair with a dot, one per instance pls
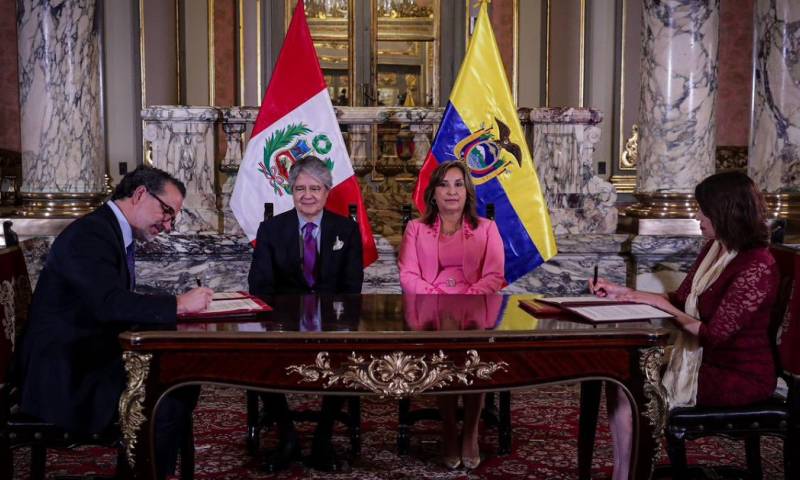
(16, 428)
(257, 419)
(779, 416)
(494, 414)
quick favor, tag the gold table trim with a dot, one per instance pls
(397, 374)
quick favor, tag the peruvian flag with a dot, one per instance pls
(296, 119)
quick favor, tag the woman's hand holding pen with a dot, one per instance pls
(606, 288)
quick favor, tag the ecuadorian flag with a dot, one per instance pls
(480, 127)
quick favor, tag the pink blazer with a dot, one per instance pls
(484, 260)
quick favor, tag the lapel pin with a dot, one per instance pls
(338, 244)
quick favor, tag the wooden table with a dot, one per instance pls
(394, 346)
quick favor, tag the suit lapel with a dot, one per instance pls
(473, 252)
(429, 247)
(106, 213)
(326, 240)
(292, 244)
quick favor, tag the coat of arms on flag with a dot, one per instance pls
(296, 119)
(285, 147)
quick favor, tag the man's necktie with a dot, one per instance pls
(309, 253)
(129, 256)
(309, 321)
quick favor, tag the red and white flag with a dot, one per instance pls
(296, 119)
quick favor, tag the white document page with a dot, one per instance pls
(583, 299)
(615, 313)
(243, 304)
(226, 296)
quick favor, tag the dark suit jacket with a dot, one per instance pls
(276, 265)
(70, 358)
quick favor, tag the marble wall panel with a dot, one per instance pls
(661, 262)
(181, 141)
(173, 262)
(579, 200)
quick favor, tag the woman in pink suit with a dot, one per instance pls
(451, 250)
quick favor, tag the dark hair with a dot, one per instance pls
(736, 210)
(152, 178)
(470, 205)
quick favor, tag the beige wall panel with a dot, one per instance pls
(599, 75)
(531, 53)
(195, 61)
(160, 62)
(122, 92)
(564, 60)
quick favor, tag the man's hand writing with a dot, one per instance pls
(195, 300)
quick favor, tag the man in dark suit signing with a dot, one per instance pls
(307, 250)
(70, 358)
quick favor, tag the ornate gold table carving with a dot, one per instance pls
(131, 409)
(656, 408)
(397, 374)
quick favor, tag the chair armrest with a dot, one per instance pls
(793, 395)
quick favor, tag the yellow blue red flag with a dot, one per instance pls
(480, 127)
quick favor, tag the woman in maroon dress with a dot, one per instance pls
(722, 356)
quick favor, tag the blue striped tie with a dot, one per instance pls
(130, 258)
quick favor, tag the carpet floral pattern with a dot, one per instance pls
(544, 444)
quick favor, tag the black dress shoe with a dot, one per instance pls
(279, 459)
(326, 460)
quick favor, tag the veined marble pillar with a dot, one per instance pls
(63, 155)
(774, 156)
(678, 96)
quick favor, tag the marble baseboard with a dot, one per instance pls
(172, 263)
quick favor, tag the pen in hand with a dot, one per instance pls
(600, 292)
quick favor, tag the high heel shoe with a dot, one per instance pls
(471, 463)
(451, 463)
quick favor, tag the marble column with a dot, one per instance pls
(774, 156)
(63, 155)
(678, 97)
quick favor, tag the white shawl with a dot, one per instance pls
(680, 379)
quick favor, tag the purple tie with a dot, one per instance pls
(309, 253)
(129, 257)
(309, 323)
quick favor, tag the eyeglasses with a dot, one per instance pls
(169, 212)
(302, 189)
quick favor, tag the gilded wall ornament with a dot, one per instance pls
(131, 409)
(630, 155)
(397, 374)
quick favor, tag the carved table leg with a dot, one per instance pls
(134, 405)
(651, 404)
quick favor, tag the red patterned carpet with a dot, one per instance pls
(545, 444)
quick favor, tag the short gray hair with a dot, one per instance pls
(313, 166)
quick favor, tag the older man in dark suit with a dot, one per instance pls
(70, 358)
(306, 250)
